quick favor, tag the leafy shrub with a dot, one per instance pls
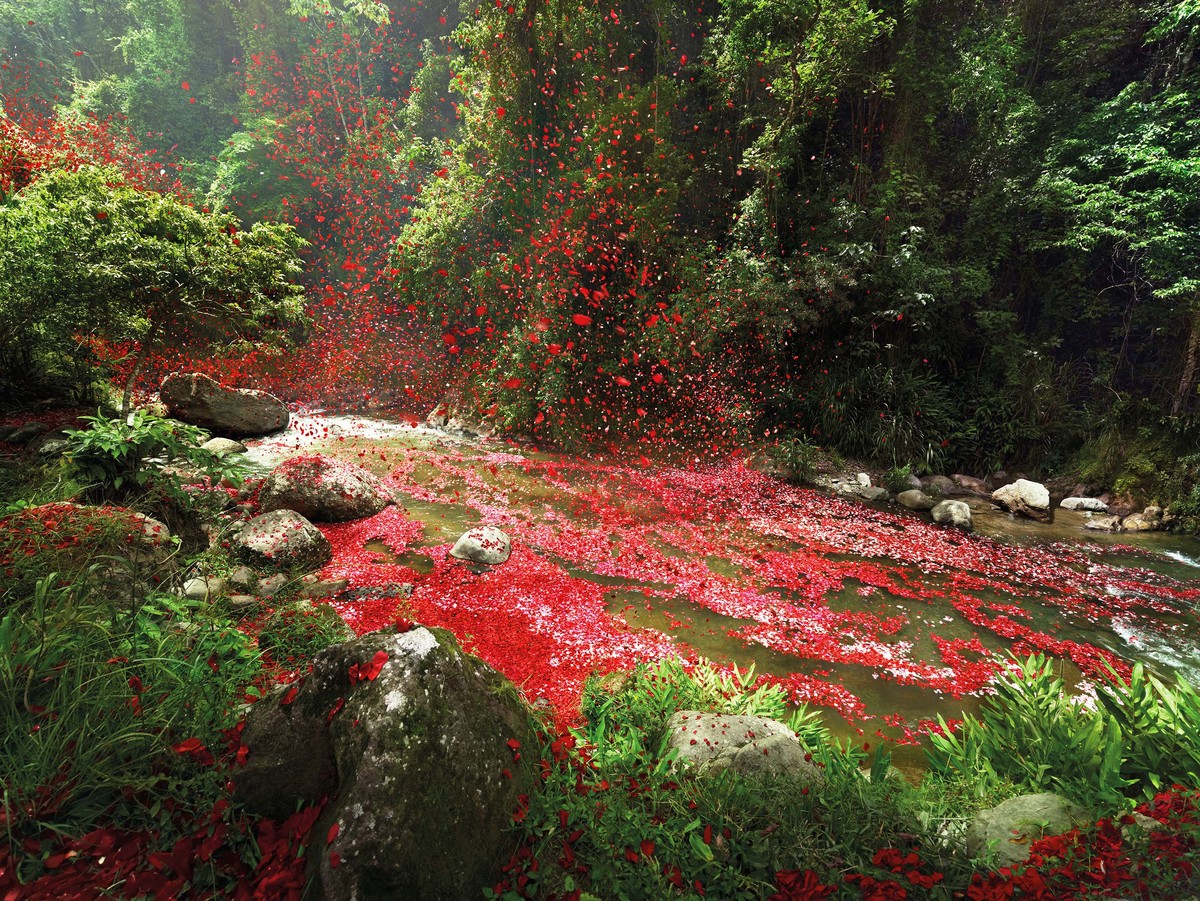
(880, 413)
(81, 544)
(896, 479)
(1138, 740)
(616, 817)
(796, 457)
(120, 458)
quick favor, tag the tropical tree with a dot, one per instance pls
(86, 257)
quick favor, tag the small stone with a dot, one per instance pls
(271, 585)
(223, 447)
(953, 513)
(324, 588)
(485, 544)
(1104, 524)
(243, 577)
(878, 493)
(23, 434)
(863, 480)
(242, 604)
(915, 500)
(1093, 504)
(202, 588)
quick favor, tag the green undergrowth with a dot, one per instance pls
(618, 818)
(1137, 738)
(111, 711)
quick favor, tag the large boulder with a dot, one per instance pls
(323, 489)
(237, 412)
(425, 751)
(1003, 833)
(749, 745)
(1025, 498)
(485, 544)
(1149, 520)
(284, 539)
(953, 513)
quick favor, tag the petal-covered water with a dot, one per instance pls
(883, 617)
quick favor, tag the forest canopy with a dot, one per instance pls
(945, 235)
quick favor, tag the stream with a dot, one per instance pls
(877, 616)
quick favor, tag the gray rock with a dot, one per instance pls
(396, 591)
(485, 544)
(50, 444)
(195, 398)
(323, 489)
(748, 745)
(202, 588)
(223, 447)
(243, 578)
(1104, 524)
(863, 480)
(25, 433)
(915, 500)
(243, 604)
(425, 754)
(1140, 522)
(283, 539)
(970, 484)
(323, 588)
(1003, 833)
(1026, 498)
(1093, 504)
(269, 586)
(912, 482)
(938, 486)
(953, 513)
(877, 493)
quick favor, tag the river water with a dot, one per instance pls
(876, 615)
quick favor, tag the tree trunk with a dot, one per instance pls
(143, 352)
(1187, 379)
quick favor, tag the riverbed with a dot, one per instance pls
(875, 615)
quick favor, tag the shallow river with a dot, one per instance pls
(877, 615)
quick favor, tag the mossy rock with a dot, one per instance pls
(425, 750)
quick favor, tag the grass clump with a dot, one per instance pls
(110, 712)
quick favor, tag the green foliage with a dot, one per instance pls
(1139, 739)
(95, 695)
(642, 829)
(101, 545)
(896, 479)
(83, 256)
(796, 457)
(120, 458)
